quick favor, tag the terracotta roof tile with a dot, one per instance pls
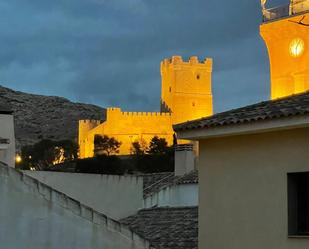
(166, 228)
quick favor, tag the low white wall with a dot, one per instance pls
(115, 196)
(34, 216)
(7, 155)
(183, 195)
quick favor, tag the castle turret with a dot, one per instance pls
(186, 88)
(286, 34)
(86, 147)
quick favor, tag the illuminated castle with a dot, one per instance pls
(286, 34)
(185, 95)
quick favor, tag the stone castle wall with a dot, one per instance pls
(186, 95)
(128, 127)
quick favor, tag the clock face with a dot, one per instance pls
(297, 47)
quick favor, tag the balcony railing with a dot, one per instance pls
(276, 13)
(282, 11)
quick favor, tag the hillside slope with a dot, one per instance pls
(48, 117)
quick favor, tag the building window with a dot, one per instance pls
(170, 89)
(198, 76)
(298, 204)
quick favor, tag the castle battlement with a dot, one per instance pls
(166, 114)
(116, 110)
(90, 121)
(193, 60)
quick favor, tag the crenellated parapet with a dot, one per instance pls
(164, 114)
(117, 111)
(90, 122)
(178, 61)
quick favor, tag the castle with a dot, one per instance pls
(185, 95)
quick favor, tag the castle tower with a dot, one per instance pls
(285, 30)
(84, 126)
(186, 88)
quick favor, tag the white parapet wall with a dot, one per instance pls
(115, 196)
(35, 216)
(182, 195)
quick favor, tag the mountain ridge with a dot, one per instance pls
(38, 117)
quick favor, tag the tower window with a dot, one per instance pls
(198, 76)
(170, 89)
(193, 103)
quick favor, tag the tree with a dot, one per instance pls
(68, 149)
(158, 146)
(139, 147)
(46, 153)
(104, 145)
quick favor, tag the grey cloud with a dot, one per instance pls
(108, 52)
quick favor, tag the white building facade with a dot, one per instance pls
(7, 137)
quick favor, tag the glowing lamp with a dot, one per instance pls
(297, 47)
(18, 159)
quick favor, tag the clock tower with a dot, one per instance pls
(285, 30)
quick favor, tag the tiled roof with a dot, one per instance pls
(294, 105)
(189, 178)
(166, 228)
(155, 182)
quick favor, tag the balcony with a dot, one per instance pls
(297, 7)
(276, 13)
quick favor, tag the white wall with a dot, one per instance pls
(7, 154)
(183, 195)
(115, 196)
(34, 216)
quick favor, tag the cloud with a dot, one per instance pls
(108, 52)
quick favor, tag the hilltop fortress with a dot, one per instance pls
(185, 95)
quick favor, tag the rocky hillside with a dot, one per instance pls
(48, 117)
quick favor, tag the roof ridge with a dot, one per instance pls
(245, 107)
(73, 205)
(292, 105)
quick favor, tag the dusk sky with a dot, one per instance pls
(108, 52)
